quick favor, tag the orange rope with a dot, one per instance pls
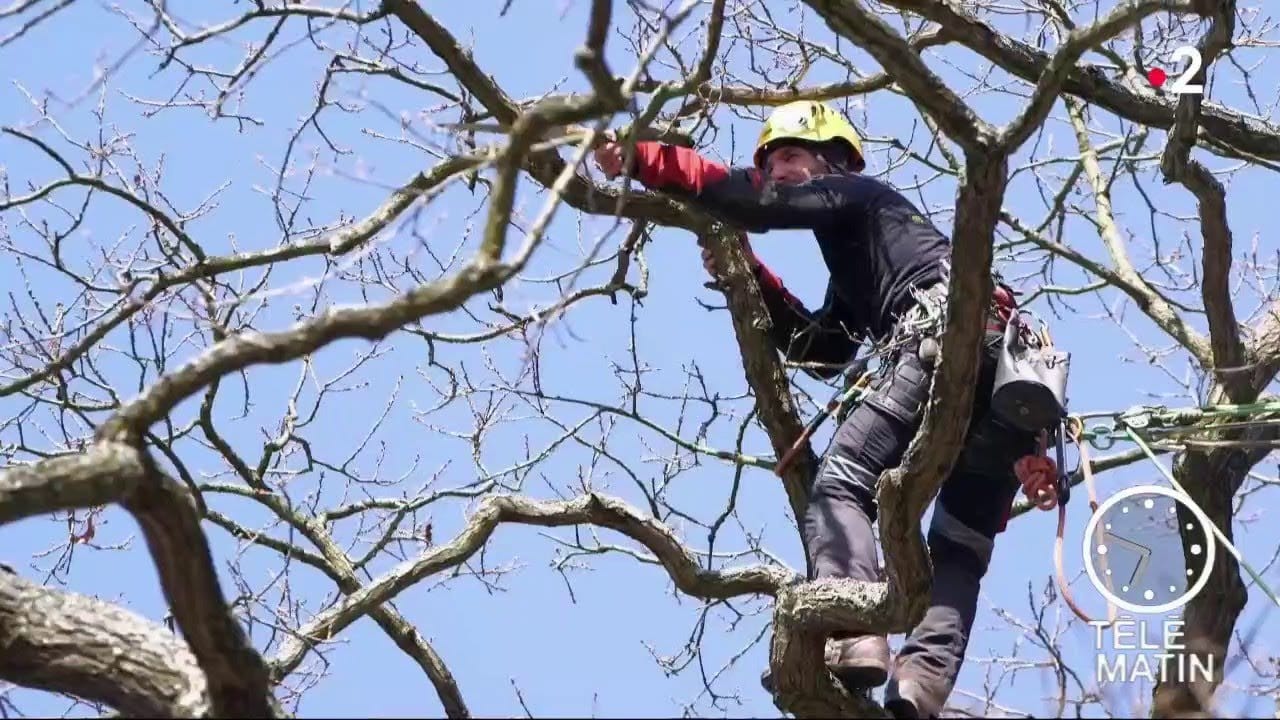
(1038, 475)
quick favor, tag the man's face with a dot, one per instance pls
(790, 165)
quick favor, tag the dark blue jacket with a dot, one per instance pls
(876, 244)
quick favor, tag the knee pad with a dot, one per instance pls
(953, 542)
(904, 393)
(843, 479)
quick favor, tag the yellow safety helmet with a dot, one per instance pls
(812, 122)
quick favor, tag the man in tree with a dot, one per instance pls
(888, 272)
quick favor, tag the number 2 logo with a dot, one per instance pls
(1182, 84)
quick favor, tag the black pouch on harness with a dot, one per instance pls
(1030, 389)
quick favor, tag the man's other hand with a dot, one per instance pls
(609, 158)
(709, 262)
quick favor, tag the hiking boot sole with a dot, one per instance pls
(855, 680)
(902, 709)
(861, 678)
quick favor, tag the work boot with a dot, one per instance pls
(860, 662)
(928, 664)
(908, 698)
(841, 544)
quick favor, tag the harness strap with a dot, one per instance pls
(1003, 307)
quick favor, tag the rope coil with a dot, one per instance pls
(1043, 483)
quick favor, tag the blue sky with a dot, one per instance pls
(590, 650)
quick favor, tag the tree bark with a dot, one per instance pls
(64, 642)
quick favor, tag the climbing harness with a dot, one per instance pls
(918, 326)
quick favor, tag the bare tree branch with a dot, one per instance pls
(1177, 165)
(1090, 83)
(593, 509)
(956, 119)
(1131, 281)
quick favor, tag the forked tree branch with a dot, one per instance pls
(116, 473)
(1090, 82)
(1178, 166)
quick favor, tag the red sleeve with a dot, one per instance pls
(659, 165)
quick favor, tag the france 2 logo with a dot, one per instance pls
(1182, 84)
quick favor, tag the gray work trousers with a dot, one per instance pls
(970, 510)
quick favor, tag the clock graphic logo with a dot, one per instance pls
(1133, 549)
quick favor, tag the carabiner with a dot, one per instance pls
(1101, 436)
(1064, 479)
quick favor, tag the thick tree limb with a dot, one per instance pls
(64, 642)
(1210, 617)
(111, 472)
(764, 371)
(236, 674)
(803, 619)
(906, 491)
(99, 476)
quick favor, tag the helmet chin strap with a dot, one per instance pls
(832, 156)
(832, 165)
